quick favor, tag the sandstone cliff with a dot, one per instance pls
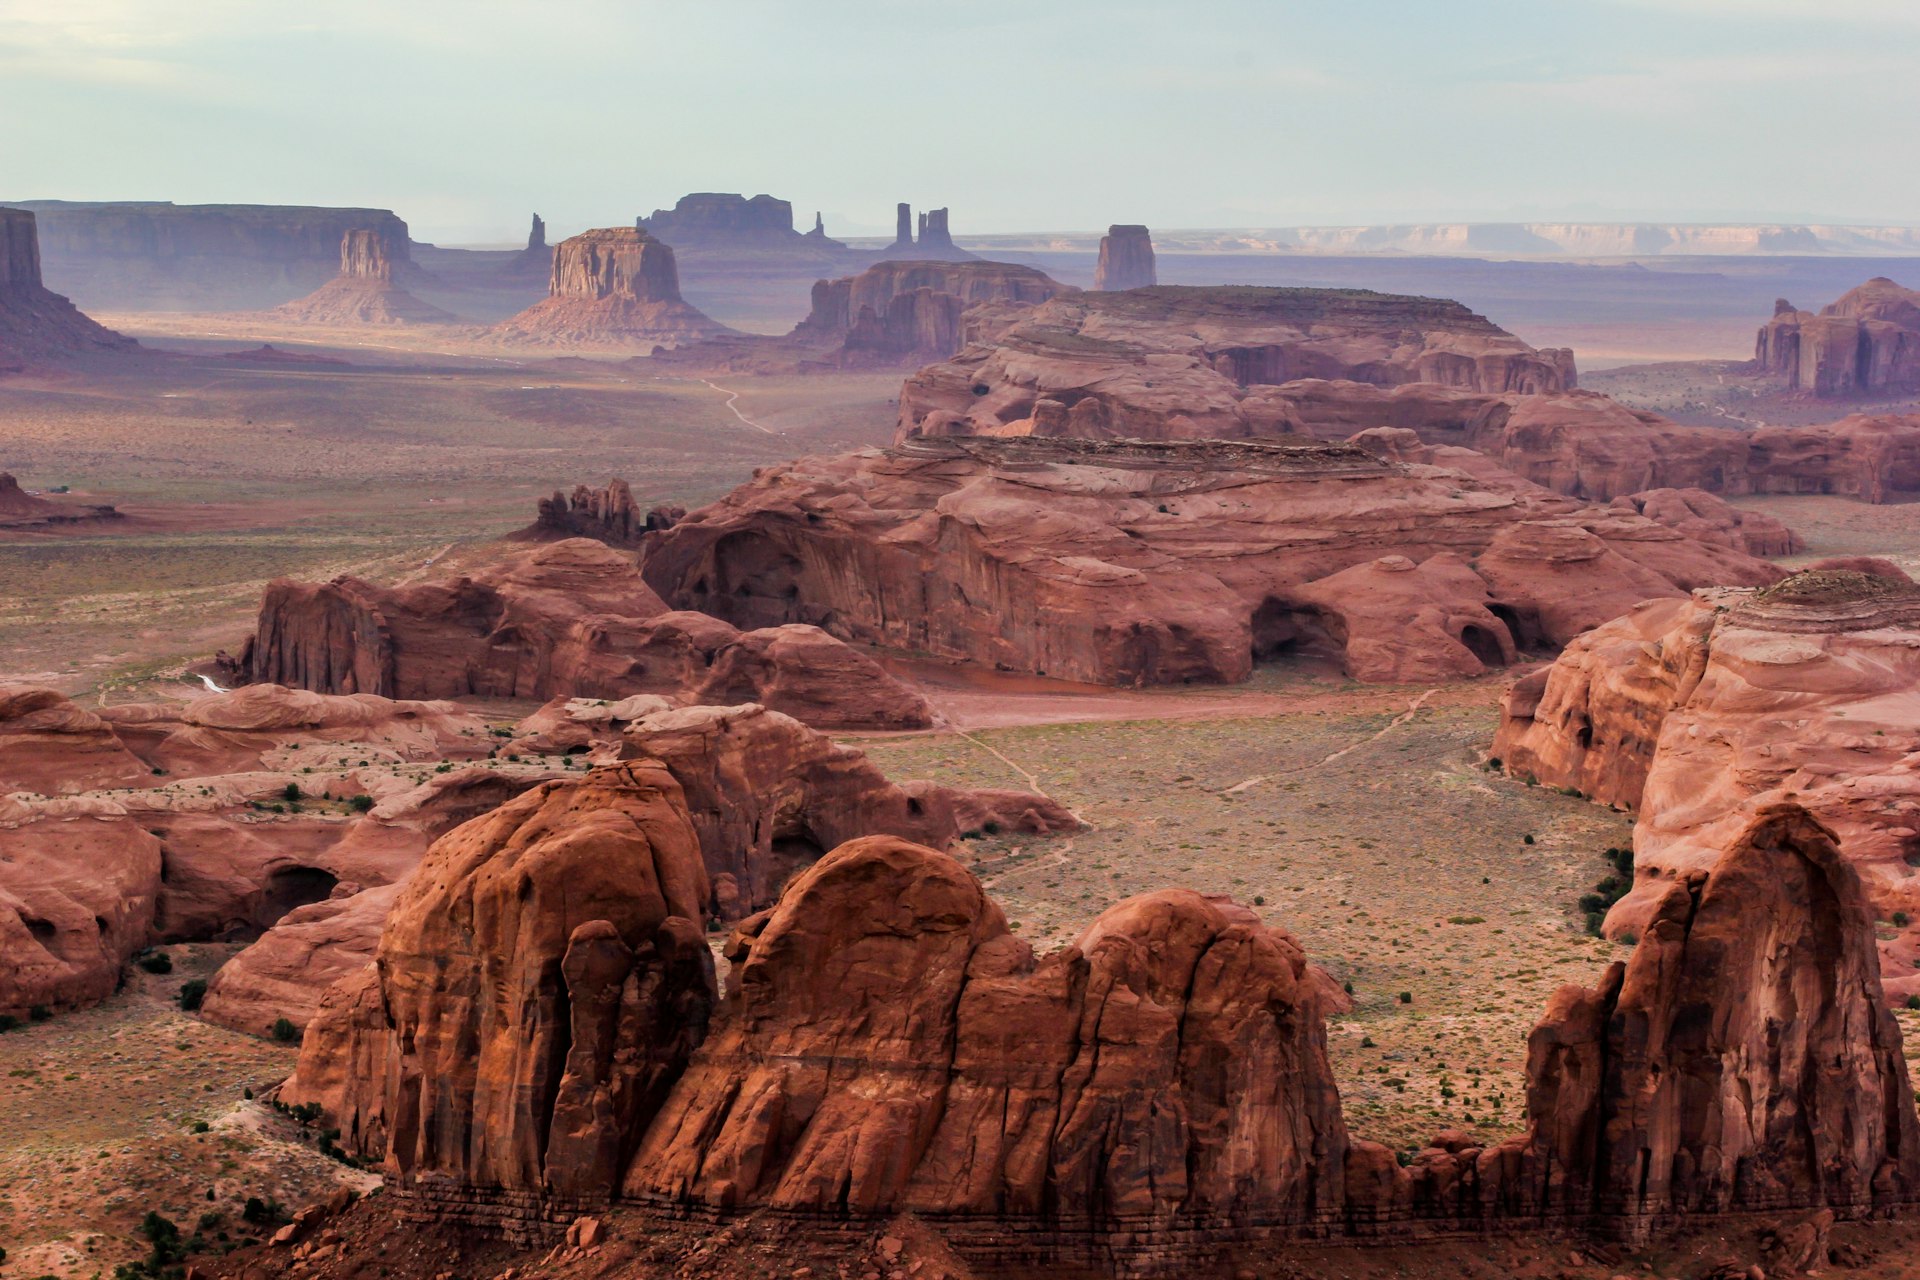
(613, 288)
(364, 292)
(1698, 712)
(607, 514)
(1126, 259)
(1865, 343)
(571, 618)
(1133, 563)
(38, 326)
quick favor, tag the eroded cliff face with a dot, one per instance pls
(1699, 712)
(719, 220)
(1866, 342)
(569, 619)
(1153, 1097)
(1126, 259)
(365, 291)
(1129, 563)
(38, 326)
(612, 287)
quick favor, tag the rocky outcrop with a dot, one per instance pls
(1871, 458)
(154, 255)
(1701, 711)
(569, 619)
(364, 292)
(607, 514)
(38, 326)
(768, 796)
(538, 989)
(1155, 1098)
(536, 260)
(614, 288)
(1135, 563)
(711, 219)
(286, 972)
(1705, 518)
(1184, 363)
(50, 746)
(933, 243)
(1865, 343)
(1126, 259)
(22, 510)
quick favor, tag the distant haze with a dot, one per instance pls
(1063, 115)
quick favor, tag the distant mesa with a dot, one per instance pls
(155, 255)
(364, 292)
(933, 243)
(1126, 259)
(616, 287)
(711, 219)
(38, 326)
(1865, 343)
(20, 510)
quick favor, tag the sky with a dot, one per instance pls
(1020, 115)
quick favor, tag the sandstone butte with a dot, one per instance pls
(1126, 259)
(1866, 342)
(22, 510)
(892, 314)
(365, 291)
(168, 823)
(1699, 712)
(728, 221)
(1128, 563)
(1236, 364)
(571, 618)
(542, 1037)
(606, 513)
(36, 324)
(613, 288)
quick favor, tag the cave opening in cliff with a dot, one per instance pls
(1285, 631)
(1484, 645)
(288, 888)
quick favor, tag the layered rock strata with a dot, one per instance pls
(569, 619)
(36, 324)
(365, 291)
(1134, 563)
(617, 287)
(1867, 342)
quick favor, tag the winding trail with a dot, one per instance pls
(1413, 709)
(733, 396)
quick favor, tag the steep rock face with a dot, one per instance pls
(1126, 259)
(1176, 363)
(162, 256)
(1866, 342)
(768, 796)
(933, 243)
(1131, 563)
(606, 514)
(539, 986)
(572, 618)
(1872, 458)
(617, 287)
(364, 292)
(285, 973)
(78, 888)
(1700, 711)
(897, 310)
(36, 324)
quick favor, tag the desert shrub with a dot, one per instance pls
(156, 962)
(291, 791)
(193, 994)
(284, 1031)
(361, 804)
(1406, 997)
(1900, 919)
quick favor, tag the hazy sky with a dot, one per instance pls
(1020, 114)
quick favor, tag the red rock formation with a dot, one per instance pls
(711, 219)
(50, 746)
(1867, 342)
(1126, 259)
(1699, 712)
(22, 510)
(36, 324)
(285, 973)
(1129, 563)
(539, 985)
(768, 796)
(1872, 458)
(608, 515)
(571, 619)
(364, 292)
(1177, 363)
(1705, 518)
(1153, 1099)
(616, 287)
(154, 255)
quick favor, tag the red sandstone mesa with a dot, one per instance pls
(365, 291)
(36, 324)
(612, 288)
(1126, 259)
(1699, 712)
(1155, 1096)
(568, 619)
(1131, 563)
(1867, 342)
